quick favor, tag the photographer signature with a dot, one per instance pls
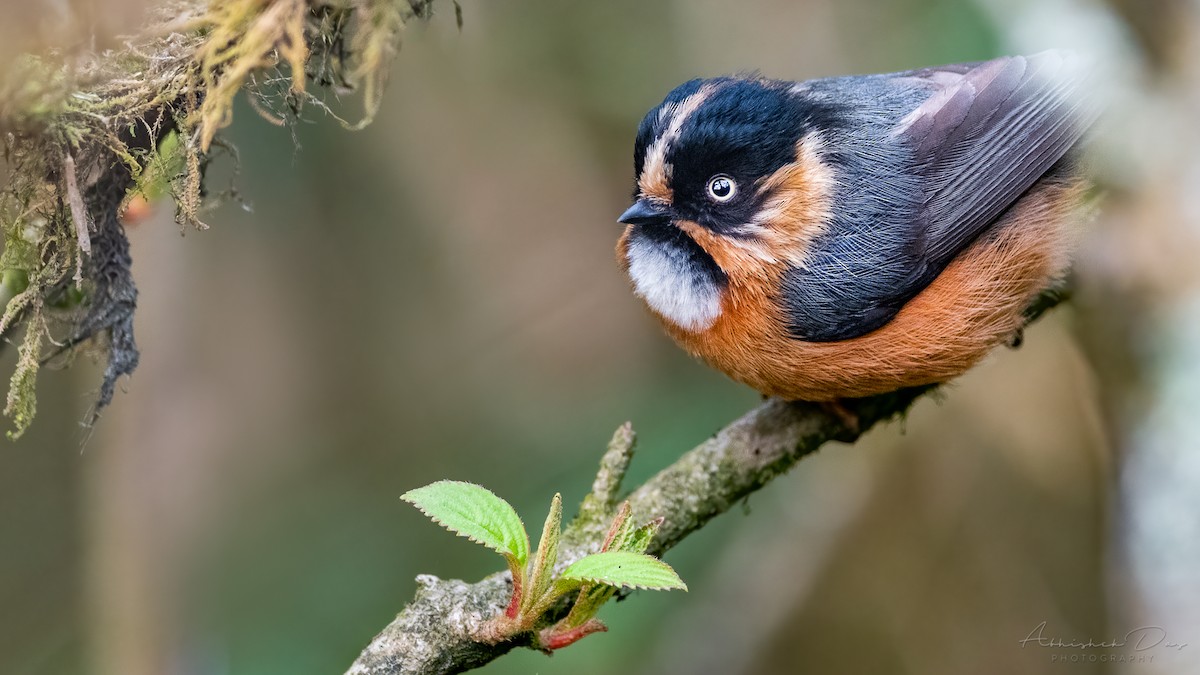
(1138, 639)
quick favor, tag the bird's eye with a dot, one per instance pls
(721, 188)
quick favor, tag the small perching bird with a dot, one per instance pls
(849, 236)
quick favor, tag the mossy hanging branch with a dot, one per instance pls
(84, 133)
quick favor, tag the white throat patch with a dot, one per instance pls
(666, 277)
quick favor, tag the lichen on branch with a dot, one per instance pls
(438, 632)
(83, 132)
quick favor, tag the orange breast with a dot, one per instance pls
(976, 303)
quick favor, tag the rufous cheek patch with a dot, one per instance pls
(797, 204)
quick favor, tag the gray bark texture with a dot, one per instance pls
(432, 635)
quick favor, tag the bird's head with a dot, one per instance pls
(729, 181)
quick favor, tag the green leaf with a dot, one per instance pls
(589, 601)
(547, 553)
(473, 512)
(624, 568)
(620, 530)
(640, 540)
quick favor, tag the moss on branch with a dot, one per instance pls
(433, 634)
(83, 132)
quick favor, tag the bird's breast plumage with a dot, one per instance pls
(975, 304)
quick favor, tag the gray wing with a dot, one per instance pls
(926, 160)
(985, 136)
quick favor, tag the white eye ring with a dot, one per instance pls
(721, 188)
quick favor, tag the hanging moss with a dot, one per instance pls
(81, 134)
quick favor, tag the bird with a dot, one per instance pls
(848, 236)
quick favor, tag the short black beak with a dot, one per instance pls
(646, 212)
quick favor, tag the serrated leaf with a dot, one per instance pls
(473, 512)
(625, 569)
(547, 553)
(589, 601)
(640, 540)
(620, 530)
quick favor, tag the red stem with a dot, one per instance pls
(514, 606)
(557, 640)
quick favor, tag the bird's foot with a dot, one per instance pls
(849, 419)
(1017, 339)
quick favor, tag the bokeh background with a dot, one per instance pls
(436, 297)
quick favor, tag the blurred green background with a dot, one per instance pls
(436, 297)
